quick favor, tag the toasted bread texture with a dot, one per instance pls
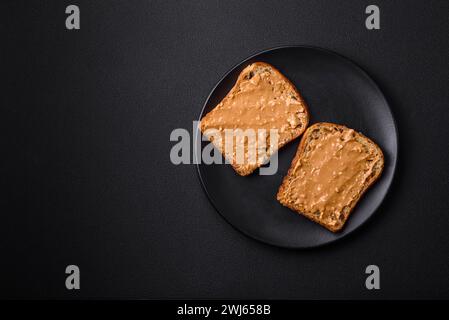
(332, 169)
(262, 100)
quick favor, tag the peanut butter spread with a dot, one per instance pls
(331, 174)
(261, 100)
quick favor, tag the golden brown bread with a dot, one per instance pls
(261, 99)
(333, 167)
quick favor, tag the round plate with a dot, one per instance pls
(336, 90)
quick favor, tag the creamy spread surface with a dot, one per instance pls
(331, 175)
(262, 99)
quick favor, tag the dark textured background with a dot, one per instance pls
(86, 177)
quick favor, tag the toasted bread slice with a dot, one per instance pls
(333, 167)
(261, 99)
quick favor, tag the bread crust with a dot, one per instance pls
(283, 196)
(247, 169)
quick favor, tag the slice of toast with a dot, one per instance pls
(262, 99)
(333, 167)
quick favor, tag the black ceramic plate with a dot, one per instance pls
(336, 90)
